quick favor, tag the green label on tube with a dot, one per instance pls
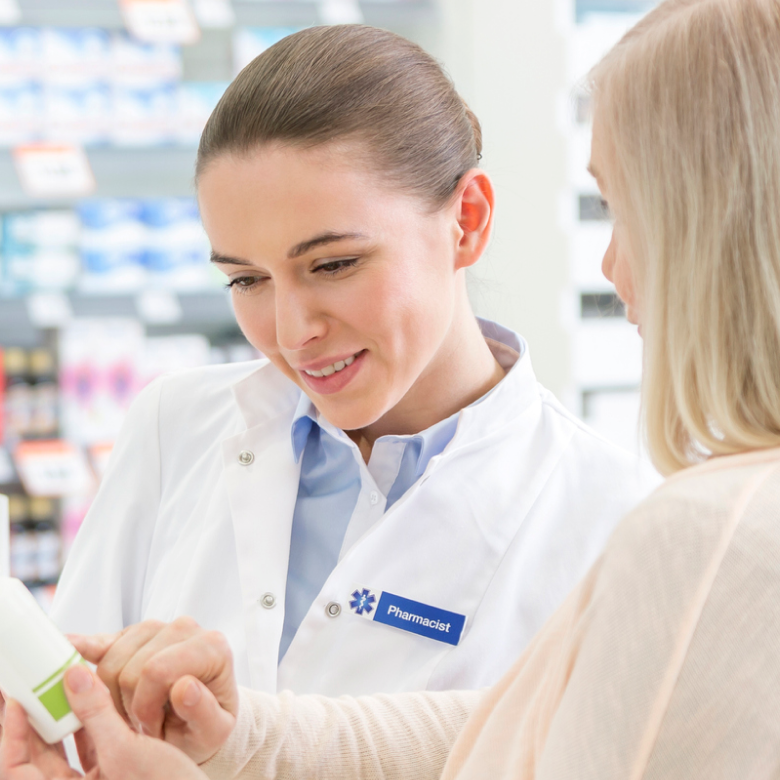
(53, 698)
(55, 701)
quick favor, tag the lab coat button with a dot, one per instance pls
(374, 498)
(333, 609)
(268, 600)
(246, 457)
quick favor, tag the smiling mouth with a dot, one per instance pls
(334, 368)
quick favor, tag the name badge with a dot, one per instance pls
(423, 619)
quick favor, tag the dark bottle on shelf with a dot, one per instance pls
(17, 404)
(44, 406)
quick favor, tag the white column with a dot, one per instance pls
(507, 58)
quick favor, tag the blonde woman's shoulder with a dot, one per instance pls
(698, 513)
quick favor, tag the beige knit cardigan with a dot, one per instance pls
(663, 663)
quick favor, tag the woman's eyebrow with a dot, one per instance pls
(298, 250)
(216, 257)
(321, 240)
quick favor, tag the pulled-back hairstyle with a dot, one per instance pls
(689, 107)
(352, 82)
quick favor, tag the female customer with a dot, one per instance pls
(663, 662)
(389, 501)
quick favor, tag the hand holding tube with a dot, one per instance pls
(110, 750)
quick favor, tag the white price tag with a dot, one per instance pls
(54, 170)
(215, 14)
(340, 12)
(158, 307)
(10, 13)
(52, 468)
(49, 310)
(160, 21)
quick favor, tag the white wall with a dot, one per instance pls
(507, 59)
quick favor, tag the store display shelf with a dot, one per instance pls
(209, 313)
(162, 171)
(261, 13)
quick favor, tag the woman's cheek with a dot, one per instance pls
(257, 323)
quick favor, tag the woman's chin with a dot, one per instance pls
(349, 419)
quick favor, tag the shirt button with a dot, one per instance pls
(333, 609)
(246, 457)
(374, 498)
(268, 600)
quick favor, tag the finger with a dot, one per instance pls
(208, 724)
(91, 701)
(205, 656)
(16, 738)
(144, 662)
(116, 657)
(93, 648)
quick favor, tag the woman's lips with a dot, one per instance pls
(327, 385)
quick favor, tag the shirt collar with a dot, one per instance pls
(507, 348)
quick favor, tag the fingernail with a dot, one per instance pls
(191, 695)
(78, 679)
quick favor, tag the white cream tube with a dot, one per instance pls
(34, 656)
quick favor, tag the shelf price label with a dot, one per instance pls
(52, 468)
(54, 170)
(160, 21)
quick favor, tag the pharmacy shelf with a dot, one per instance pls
(161, 171)
(209, 313)
(260, 13)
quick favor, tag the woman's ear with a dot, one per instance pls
(475, 201)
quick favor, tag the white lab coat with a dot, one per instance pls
(499, 528)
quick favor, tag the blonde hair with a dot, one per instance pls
(689, 106)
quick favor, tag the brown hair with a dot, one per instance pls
(352, 82)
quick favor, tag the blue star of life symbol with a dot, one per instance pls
(362, 601)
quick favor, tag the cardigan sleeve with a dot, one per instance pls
(385, 736)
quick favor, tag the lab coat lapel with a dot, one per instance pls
(262, 477)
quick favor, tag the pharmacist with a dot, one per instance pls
(389, 501)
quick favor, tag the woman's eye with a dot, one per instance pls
(335, 266)
(244, 283)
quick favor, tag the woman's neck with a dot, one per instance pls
(463, 370)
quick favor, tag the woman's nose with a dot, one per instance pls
(298, 320)
(608, 263)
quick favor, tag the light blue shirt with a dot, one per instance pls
(333, 477)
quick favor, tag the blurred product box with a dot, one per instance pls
(30, 402)
(40, 251)
(35, 543)
(113, 240)
(99, 361)
(176, 254)
(94, 87)
(144, 114)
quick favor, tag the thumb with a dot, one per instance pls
(91, 702)
(208, 724)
